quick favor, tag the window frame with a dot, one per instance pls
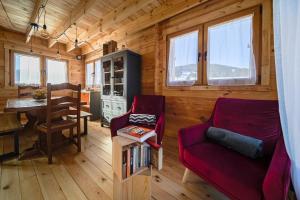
(202, 27)
(46, 69)
(198, 28)
(13, 67)
(256, 31)
(100, 75)
(85, 75)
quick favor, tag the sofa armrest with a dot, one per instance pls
(277, 180)
(118, 123)
(160, 127)
(191, 135)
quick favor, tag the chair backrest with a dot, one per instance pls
(26, 90)
(148, 104)
(256, 118)
(58, 107)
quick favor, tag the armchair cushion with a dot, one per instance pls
(218, 165)
(150, 104)
(142, 119)
(260, 119)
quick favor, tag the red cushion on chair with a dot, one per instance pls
(228, 170)
(254, 118)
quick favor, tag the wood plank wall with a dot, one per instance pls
(185, 107)
(10, 41)
(143, 43)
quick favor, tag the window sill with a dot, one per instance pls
(260, 88)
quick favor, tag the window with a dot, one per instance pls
(89, 75)
(27, 69)
(230, 58)
(98, 73)
(223, 52)
(93, 74)
(57, 71)
(183, 59)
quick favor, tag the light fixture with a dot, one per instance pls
(58, 55)
(76, 40)
(44, 32)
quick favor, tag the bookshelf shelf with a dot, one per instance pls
(124, 184)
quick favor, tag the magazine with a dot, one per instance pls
(136, 133)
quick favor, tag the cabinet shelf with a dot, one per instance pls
(119, 83)
(119, 70)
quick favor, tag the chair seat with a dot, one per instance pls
(82, 115)
(225, 169)
(58, 125)
(9, 123)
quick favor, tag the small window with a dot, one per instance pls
(183, 59)
(97, 73)
(89, 75)
(230, 57)
(57, 71)
(27, 69)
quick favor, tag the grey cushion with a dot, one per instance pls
(248, 146)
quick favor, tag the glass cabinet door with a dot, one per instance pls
(118, 77)
(106, 88)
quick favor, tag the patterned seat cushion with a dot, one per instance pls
(144, 119)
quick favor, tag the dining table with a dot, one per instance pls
(21, 105)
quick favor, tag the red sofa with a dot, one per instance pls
(237, 176)
(144, 104)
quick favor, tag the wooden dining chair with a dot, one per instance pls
(57, 110)
(10, 126)
(26, 91)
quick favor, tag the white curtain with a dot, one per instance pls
(183, 59)
(287, 57)
(98, 73)
(89, 75)
(230, 58)
(57, 71)
(27, 69)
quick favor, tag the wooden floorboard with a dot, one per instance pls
(89, 175)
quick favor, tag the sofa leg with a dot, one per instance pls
(186, 175)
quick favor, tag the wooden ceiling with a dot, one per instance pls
(95, 19)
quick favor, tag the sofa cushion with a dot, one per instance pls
(254, 118)
(246, 145)
(227, 169)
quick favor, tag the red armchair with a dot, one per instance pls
(144, 104)
(237, 176)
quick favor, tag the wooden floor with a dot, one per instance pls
(88, 175)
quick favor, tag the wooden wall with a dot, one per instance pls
(13, 41)
(143, 43)
(188, 106)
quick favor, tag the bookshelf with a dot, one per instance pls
(126, 175)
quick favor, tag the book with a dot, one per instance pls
(128, 163)
(136, 133)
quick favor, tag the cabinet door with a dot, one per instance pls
(107, 74)
(118, 75)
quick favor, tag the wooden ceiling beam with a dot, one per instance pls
(157, 15)
(33, 18)
(76, 14)
(110, 20)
